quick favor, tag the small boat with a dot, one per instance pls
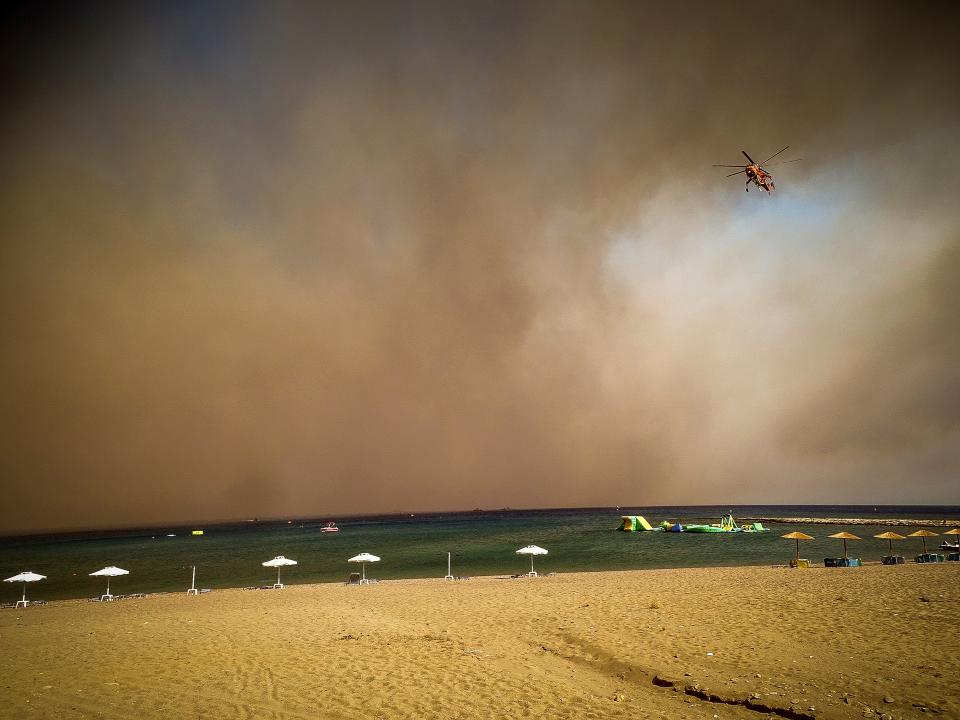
(947, 547)
(330, 527)
(170, 535)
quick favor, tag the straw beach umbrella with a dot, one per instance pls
(25, 577)
(923, 534)
(798, 536)
(109, 572)
(278, 562)
(890, 536)
(363, 559)
(531, 550)
(844, 536)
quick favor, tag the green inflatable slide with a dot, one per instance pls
(635, 523)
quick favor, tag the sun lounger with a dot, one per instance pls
(892, 560)
(842, 562)
(954, 556)
(353, 579)
(930, 558)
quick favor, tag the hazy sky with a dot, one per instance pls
(296, 260)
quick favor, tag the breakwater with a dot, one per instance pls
(903, 522)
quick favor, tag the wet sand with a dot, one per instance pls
(685, 643)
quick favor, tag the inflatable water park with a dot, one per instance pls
(637, 523)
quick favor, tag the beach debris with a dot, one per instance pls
(888, 699)
(619, 697)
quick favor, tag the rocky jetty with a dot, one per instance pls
(854, 521)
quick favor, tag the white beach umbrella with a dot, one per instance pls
(364, 558)
(531, 550)
(24, 577)
(278, 562)
(109, 572)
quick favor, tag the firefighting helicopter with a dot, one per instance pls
(755, 172)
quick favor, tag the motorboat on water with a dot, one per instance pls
(947, 547)
(330, 527)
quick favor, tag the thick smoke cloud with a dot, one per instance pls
(289, 261)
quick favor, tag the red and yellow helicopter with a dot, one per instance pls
(755, 172)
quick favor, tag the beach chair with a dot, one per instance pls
(354, 579)
(929, 558)
(800, 563)
(892, 560)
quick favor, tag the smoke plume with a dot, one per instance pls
(293, 260)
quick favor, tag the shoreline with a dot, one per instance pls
(434, 580)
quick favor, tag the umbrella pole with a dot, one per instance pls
(363, 571)
(798, 549)
(924, 544)
(844, 547)
(24, 594)
(278, 574)
(531, 564)
(108, 584)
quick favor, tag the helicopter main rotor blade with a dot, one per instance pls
(739, 172)
(739, 166)
(784, 162)
(748, 157)
(775, 154)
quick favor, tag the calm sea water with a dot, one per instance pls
(417, 546)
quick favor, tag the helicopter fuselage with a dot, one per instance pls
(759, 177)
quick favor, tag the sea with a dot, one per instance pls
(484, 542)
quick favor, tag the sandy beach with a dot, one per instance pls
(687, 643)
